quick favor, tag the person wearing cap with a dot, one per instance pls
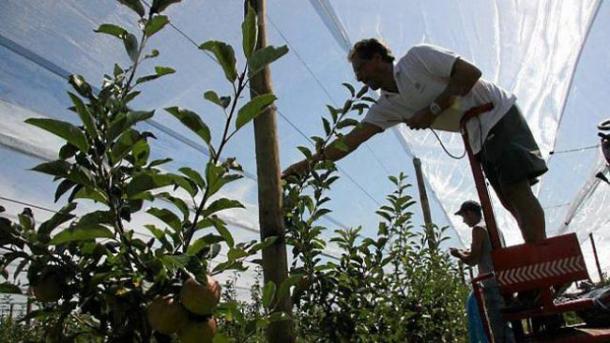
(480, 255)
(432, 87)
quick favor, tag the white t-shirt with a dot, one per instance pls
(421, 76)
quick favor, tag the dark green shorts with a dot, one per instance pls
(510, 153)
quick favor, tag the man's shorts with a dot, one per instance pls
(510, 153)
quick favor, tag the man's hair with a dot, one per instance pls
(367, 48)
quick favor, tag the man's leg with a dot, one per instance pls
(527, 210)
(504, 201)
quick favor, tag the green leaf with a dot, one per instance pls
(147, 181)
(140, 153)
(225, 56)
(84, 114)
(253, 109)
(158, 233)
(192, 121)
(262, 57)
(131, 46)
(286, 284)
(221, 204)
(159, 6)
(167, 216)
(62, 188)
(56, 168)
(224, 232)
(135, 5)
(362, 91)
(369, 99)
(203, 242)
(159, 162)
(179, 203)
(222, 101)
(96, 218)
(262, 245)
(9, 288)
(347, 106)
(347, 122)
(91, 193)
(249, 31)
(326, 124)
(185, 183)
(80, 85)
(237, 253)
(125, 121)
(153, 53)
(305, 151)
(159, 72)
(268, 294)
(62, 216)
(174, 262)
(349, 87)
(65, 130)
(81, 234)
(124, 145)
(155, 24)
(217, 177)
(193, 175)
(340, 144)
(112, 30)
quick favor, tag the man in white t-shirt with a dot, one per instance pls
(431, 87)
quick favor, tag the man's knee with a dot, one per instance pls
(518, 192)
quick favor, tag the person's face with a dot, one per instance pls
(367, 71)
(470, 218)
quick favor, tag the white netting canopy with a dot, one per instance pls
(549, 53)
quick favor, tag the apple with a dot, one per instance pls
(47, 288)
(166, 315)
(198, 332)
(200, 298)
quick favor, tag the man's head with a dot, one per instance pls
(372, 62)
(470, 211)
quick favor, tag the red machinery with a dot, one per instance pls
(532, 267)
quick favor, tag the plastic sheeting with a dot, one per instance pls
(537, 49)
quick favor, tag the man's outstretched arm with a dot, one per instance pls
(352, 140)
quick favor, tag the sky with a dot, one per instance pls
(546, 52)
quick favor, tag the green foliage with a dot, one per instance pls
(93, 266)
(394, 287)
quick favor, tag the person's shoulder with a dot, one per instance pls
(422, 47)
(426, 50)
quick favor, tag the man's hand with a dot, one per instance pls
(298, 168)
(422, 119)
(455, 252)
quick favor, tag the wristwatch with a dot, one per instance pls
(435, 108)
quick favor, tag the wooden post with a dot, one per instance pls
(599, 268)
(271, 221)
(425, 205)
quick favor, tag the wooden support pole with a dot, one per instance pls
(425, 205)
(599, 268)
(275, 265)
